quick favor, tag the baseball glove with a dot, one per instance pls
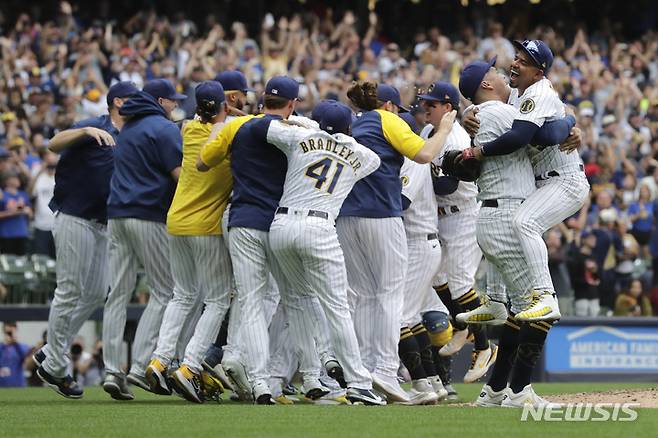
(455, 165)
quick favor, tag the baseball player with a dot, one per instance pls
(235, 90)
(561, 182)
(259, 172)
(200, 263)
(322, 169)
(82, 182)
(505, 182)
(146, 168)
(371, 232)
(458, 210)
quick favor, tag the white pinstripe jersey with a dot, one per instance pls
(458, 139)
(420, 218)
(502, 176)
(540, 103)
(322, 168)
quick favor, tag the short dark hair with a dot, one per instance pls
(275, 102)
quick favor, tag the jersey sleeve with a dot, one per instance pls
(218, 148)
(286, 136)
(304, 121)
(538, 104)
(410, 176)
(370, 161)
(400, 136)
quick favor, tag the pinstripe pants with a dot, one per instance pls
(555, 199)
(376, 260)
(201, 267)
(310, 256)
(82, 283)
(500, 245)
(419, 297)
(461, 254)
(135, 242)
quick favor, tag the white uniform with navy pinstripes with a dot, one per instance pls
(557, 197)
(420, 222)
(134, 243)
(461, 254)
(307, 247)
(507, 179)
(82, 284)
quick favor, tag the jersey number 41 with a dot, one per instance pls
(319, 171)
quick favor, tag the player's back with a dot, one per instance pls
(322, 168)
(503, 176)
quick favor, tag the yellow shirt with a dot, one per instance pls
(201, 197)
(219, 147)
(399, 134)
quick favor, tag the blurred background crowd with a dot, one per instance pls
(57, 61)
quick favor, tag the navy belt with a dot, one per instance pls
(492, 203)
(553, 173)
(450, 209)
(433, 236)
(312, 213)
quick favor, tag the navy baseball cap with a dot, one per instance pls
(411, 121)
(163, 88)
(387, 93)
(120, 89)
(472, 75)
(538, 51)
(320, 108)
(233, 80)
(212, 91)
(337, 117)
(443, 92)
(283, 86)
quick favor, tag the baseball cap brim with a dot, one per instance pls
(178, 96)
(428, 97)
(403, 109)
(519, 45)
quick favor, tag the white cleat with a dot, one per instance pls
(437, 386)
(459, 338)
(489, 398)
(544, 307)
(422, 393)
(481, 362)
(238, 377)
(526, 397)
(489, 313)
(391, 388)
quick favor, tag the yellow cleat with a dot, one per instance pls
(156, 376)
(211, 387)
(490, 312)
(543, 307)
(188, 382)
(283, 400)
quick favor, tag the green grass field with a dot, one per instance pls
(40, 412)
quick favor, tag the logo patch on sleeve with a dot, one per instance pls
(527, 106)
(405, 180)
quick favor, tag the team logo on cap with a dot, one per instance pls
(431, 87)
(527, 106)
(532, 47)
(275, 91)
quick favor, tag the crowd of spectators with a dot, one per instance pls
(55, 72)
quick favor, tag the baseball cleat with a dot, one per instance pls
(490, 312)
(39, 357)
(290, 389)
(263, 394)
(459, 338)
(481, 361)
(238, 378)
(188, 383)
(422, 393)
(335, 397)
(218, 372)
(156, 376)
(438, 387)
(140, 381)
(117, 387)
(391, 388)
(211, 387)
(283, 400)
(335, 371)
(316, 393)
(64, 386)
(358, 396)
(527, 396)
(452, 393)
(543, 307)
(488, 398)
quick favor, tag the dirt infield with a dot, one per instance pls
(647, 398)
